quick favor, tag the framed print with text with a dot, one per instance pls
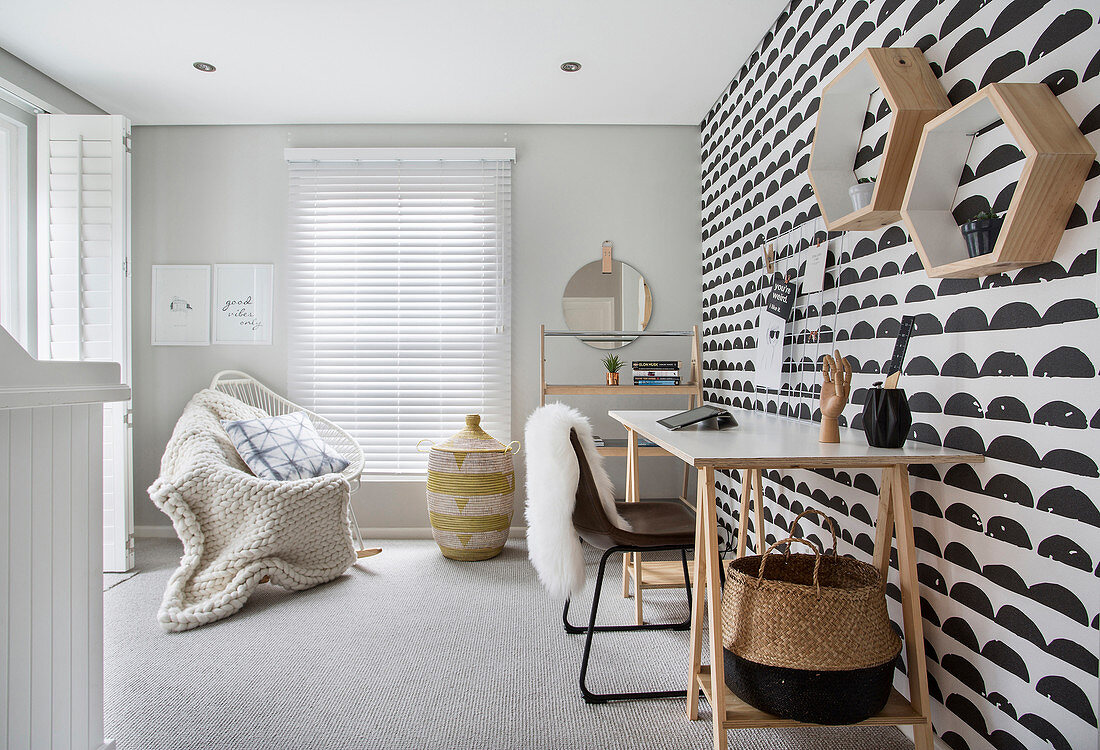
(242, 303)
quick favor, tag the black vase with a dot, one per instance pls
(981, 235)
(886, 417)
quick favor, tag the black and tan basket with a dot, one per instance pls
(807, 637)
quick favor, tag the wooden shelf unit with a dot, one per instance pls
(915, 96)
(638, 575)
(1058, 159)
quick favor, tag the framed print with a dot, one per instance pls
(242, 303)
(181, 305)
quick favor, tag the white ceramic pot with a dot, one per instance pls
(861, 194)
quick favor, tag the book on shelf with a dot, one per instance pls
(645, 380)
(656, 373)
(598, 441)
(645, 442)
(655, 364)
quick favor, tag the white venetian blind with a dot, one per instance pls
(400, 300)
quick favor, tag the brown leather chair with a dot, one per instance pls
(655, 526)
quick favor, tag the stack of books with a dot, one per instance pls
(656, 372)
(643, 442)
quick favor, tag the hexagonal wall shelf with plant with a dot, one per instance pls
(915, 96)
(1057, 160)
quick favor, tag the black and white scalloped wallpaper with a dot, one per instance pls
(1009, 550)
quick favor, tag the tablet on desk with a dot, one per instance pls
(701, 414)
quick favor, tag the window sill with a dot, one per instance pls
(375, 478)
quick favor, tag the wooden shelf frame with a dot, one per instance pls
(915, 96)
(1057, 161)
(638, 575)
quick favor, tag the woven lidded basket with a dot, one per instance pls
(807, 636)
(471, 485)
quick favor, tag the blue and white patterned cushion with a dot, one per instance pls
(283, 447)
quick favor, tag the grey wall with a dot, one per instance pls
(219, 194)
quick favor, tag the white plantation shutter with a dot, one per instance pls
(400, 303)
(83, 282)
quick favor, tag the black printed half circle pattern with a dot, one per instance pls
(1005, 365)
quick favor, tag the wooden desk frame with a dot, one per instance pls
(895, 519)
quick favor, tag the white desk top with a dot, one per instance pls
(766, 441)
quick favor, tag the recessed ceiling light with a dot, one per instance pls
(205, 67)
(570, 67)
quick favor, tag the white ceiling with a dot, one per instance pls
(391, 61)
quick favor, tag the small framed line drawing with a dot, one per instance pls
(181, 306)
(242, 303)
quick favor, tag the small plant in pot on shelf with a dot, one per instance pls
(981, 233)
(612, 363)
(861, 192)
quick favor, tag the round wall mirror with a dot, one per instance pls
(606, 304)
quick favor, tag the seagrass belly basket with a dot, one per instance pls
(807, 636)
(471, 485)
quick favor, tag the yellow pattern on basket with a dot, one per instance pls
(470, 554)
(471, 485)
(448, 522)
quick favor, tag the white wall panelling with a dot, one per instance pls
(51, 582)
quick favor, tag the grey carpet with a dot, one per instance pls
(407, 650)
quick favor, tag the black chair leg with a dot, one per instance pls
(685, 625)
(687, 581)
(589, 696)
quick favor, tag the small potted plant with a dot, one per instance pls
(612, 363)
(861, 192)
(981, 233)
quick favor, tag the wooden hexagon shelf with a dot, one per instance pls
(1058, 158)
(915, 96)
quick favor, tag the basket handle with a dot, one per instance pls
(514, 451)
(430, 443)
(832, 526)
(787, 541)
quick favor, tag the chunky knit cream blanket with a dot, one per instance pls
(237, 528)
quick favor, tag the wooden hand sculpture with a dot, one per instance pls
(835, 388)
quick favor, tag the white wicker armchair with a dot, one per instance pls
(244, 387)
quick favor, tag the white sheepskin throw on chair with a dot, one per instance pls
(553, 473)
(237, 528)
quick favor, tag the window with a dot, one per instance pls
(400, 306)
(14, 280)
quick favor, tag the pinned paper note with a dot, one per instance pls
(814, 280)
(772, 330)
